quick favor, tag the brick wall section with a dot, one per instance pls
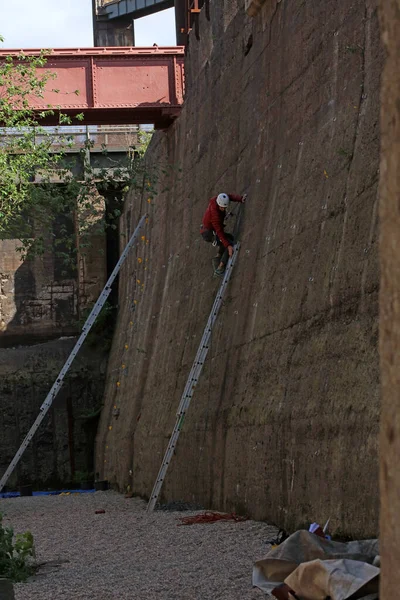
(284, 423)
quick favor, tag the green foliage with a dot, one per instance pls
(28, 209)
(28, 150)
(79, 199)
(16, 554)
(144, 139)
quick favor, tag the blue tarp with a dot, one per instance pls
(56, 493)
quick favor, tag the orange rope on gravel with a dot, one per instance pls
(211, 517)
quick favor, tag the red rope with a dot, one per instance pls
(211, 517)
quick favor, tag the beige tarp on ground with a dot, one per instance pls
(316, 568)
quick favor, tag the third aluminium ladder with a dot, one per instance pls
(192, 381)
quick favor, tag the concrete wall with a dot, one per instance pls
(284, 423)
(390, 302)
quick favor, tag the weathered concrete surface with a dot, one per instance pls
(64, 441)
(390, 302)
(284, 423)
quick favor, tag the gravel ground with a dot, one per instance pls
(126, 553)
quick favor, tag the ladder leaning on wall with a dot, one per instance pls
(191, 383)
(59, 381)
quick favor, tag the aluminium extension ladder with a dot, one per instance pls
(85, 330)
(192, 381)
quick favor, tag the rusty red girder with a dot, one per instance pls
(120, 85)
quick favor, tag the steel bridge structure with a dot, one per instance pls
(112, 86)
(114, 20)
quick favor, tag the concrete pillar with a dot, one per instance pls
(6, 590)
(390, 301)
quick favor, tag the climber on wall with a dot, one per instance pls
(212, 228)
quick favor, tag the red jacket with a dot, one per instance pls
(213, 219)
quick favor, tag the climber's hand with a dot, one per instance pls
(244, 198)
(230, 250)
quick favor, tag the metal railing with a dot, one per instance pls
(113, 137)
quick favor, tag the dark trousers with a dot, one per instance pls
(223, 253)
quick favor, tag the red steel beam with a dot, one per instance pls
(120, 85)
(192, 10)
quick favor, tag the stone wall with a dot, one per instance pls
(284, 422)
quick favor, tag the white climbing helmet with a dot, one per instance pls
(223, 200)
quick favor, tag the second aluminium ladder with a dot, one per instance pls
(192, 381)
